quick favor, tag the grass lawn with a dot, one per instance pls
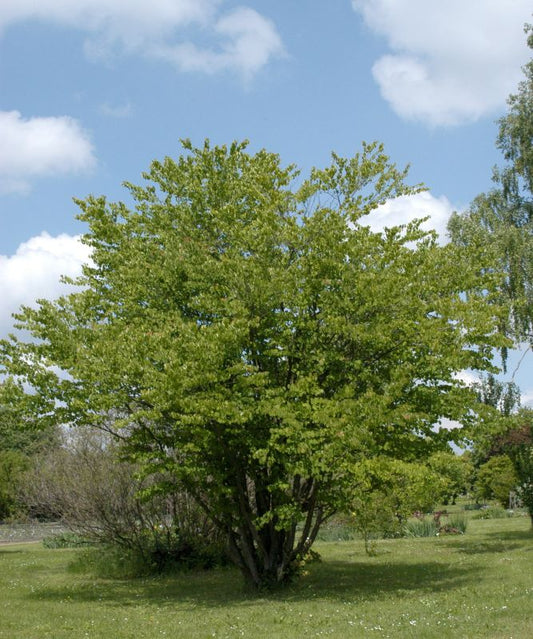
(476, 585)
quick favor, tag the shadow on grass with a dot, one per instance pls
(525, 535)
(491, 542)
(482, 547)
(331, 580)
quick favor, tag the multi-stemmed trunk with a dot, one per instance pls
(270, 553)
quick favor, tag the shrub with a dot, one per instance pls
(494, 512)
(102, 499)
(12, 465)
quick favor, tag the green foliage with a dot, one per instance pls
(12, 465)
(455, 471)
(502, 219)
(496, 478)
(457, 523)
(440, 523)
(18, 442)
(502, 396)
(475, 506)
(255, 341)
(493, 512)
(386, 492)
(148, 558)
(517, 443)
(421, 527)
(511, 437)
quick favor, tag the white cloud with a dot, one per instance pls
(242, 40)
(407, 208)
(39, 147)
(248, 41)
(451, 62)
(34, 271)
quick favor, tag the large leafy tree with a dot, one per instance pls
(502, 219)
(257, 341)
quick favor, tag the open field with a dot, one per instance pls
(479, 585)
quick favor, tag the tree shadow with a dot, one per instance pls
(517, 535)
(482, 547)
(332, 580)
(491, 542)
(526, 535)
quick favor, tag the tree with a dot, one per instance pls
(18, 442)
(496, 479)
(257, 341)
(455, 471)
(502, 219)
(516, 443)
(389, 491)
(504, 397)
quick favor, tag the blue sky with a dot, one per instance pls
(91, 91)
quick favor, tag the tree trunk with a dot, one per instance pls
(276, 558)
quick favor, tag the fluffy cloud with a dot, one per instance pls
(39, 147)
(407, 208)
(248, 40)
(451, 62)
(34, 271)
(242, 40)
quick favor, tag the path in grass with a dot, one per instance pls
(479, 585)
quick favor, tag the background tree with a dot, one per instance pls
(256, 341)
(516, 443)
(456, 473)
(502, 396)
(387, 492)
(18, 443)
(502, 219)
(496, 479)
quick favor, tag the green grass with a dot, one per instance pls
(477, 585)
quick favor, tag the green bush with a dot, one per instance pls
(12, 465)
(494, 512)
(118, 562)
(102, 499)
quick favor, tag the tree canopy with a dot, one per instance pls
(502, 219)
(244, 331)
